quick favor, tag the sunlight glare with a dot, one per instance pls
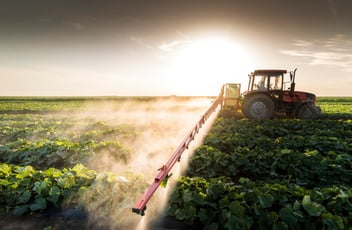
(202, 66)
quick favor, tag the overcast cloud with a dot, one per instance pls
(336, 51)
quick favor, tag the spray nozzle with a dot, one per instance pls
(139, 211)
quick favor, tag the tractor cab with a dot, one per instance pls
(272, 81)
(280, 84)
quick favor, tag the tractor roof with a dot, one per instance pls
(268, 71)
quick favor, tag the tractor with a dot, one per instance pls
(271, 92)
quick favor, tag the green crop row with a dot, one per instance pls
(18, 105)
(23, 105)
(272, 174)
(57, 141)
(336, 107)
(25, 189)
(59, 152)
(309, 169)
(222, 203)
(334, 99)
(36, 127)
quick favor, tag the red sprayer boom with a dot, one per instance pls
(140, 205)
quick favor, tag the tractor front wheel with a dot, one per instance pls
(258, 106)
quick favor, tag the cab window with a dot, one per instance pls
(276, 82)
(260, 83)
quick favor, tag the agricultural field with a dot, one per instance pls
(272, 174)
(336, 107)
(82, 162)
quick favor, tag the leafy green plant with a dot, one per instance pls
(25, 189)
(58, 153)
(272, 174)
(226, 204)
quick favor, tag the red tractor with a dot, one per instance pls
(271, 92)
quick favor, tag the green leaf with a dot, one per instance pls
(83, 172)
(67, 181)
(180, 214)
(243, 180)
(24, 198)
(237, 209)
(215, 190)
(286, 215)
(313, 208)
(190, 213)
(4, 149)
(311, 153)
(286, 151)
(266, 201)
(54, 194)
(20, 209)
(224, 203)
(280, 226)
(333, 221)
(5, 170)
(228, 219)
(200, 198)
(41, 186)
(4, 183)
(23, 172)
(272, 217)
(52, 172)
(203, 215)
(187, 196)
(39, 204)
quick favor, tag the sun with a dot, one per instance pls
(202, 66)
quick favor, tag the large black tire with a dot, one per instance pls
(258, 106)
(307, 111)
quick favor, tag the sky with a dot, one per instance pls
(171, 47)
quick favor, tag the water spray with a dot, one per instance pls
(163, 174)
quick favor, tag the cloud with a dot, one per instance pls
(166, 47)
(75, 25)
(173, 45)
(302, 43)
(142, 42)
(334, 51)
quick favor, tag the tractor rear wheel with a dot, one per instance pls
(307, 111)
(258, 106)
